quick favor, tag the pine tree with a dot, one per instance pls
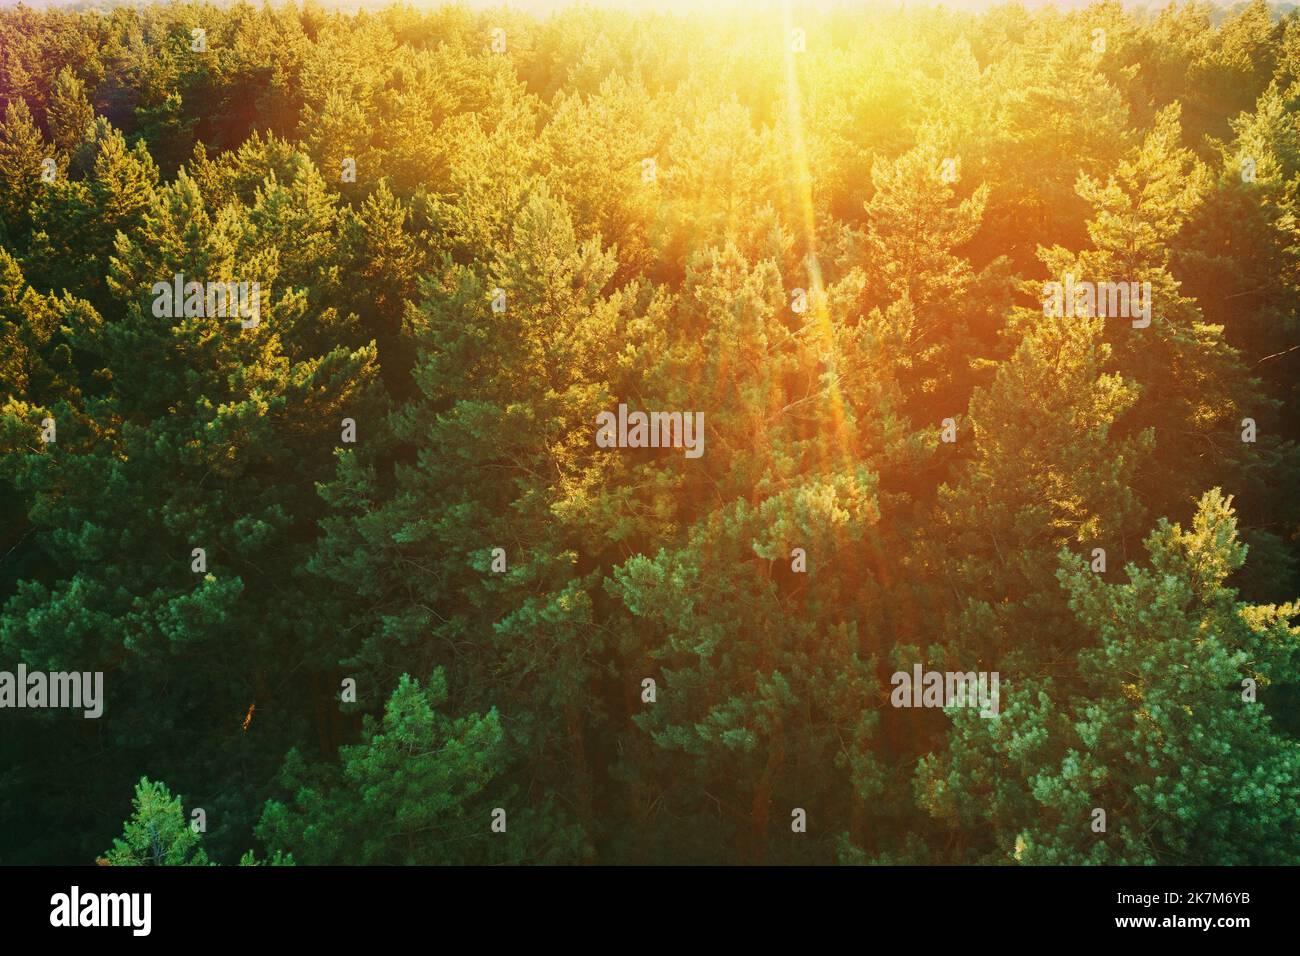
(22, 158)
(1156, 723)
(69, 114)
(420, 788)
(157, 833)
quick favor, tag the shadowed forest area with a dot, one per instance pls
(367, 584)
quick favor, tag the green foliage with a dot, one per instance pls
(1156, 730)
(837, 256)
(157, 834)
(416, 790)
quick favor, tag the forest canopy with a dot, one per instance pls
(477, 436)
